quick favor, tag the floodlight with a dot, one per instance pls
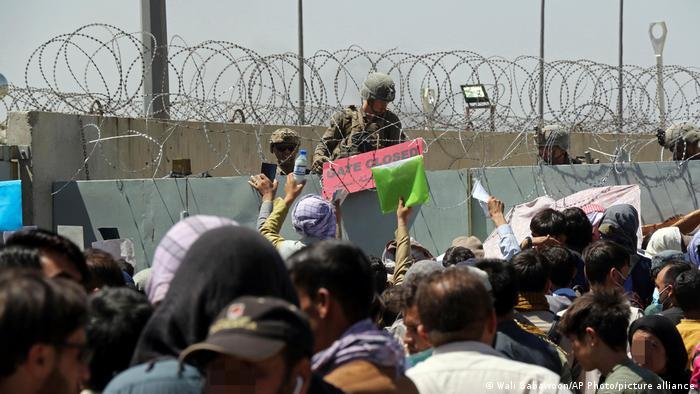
(475, 94)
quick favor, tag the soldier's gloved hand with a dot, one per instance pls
(661, 136)
(317, 167)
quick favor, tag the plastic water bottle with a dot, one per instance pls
(300, 166)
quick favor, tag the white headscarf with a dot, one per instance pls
(667, 238)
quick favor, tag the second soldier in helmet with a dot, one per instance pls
(553, 146)
(682, 139)
(358, 130)
(284, 144)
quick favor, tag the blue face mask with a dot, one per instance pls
(666, 298)
(655, 296)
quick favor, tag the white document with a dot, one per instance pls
(481, 195)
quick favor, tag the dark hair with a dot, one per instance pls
(675, 269)
(606, 311)
(686, 288)
(391, 299)
(104, 270)
(657, 263)
(49, 242)
(19, 257)
(531, 271)
(408, 293)
(602, 256)
(579, 230)
(676, 353)
(34, 309)
(456, 254)
(341, 268)
(453, 305)
(291, 355)
(562, 264)
(409, 287)
(379, 273)
(117, 316)
(548, 222)
(126, 266)
(504, 286)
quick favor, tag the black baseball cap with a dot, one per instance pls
(253, 329)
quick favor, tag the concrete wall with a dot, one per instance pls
(144, 210)
(145, 149)
(667, 188)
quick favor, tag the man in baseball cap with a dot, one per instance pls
(256, 343)
(472, 243)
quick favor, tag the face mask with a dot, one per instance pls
(665, 301)
(655, 296)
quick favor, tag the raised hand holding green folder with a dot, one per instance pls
(404, 178)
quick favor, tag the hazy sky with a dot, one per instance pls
(576, 29)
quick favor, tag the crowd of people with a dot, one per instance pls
(574, 307)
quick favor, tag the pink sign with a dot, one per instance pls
(354, 173)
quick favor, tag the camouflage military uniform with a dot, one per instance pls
(352, 132)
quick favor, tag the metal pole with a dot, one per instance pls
(658, 44)
(660, 94)
(620, 90)
(541, 92)
(156, 89)
(302, 119)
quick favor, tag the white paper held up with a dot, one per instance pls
(481, 195)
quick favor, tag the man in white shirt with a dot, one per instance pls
(458, 318)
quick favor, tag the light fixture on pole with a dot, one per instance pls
(658, 44)
(476, 98)
(428, 100)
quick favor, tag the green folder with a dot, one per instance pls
(404, 178)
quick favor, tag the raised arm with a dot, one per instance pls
(508, 244)
(404, 260)
(267, 190)
(273, 224)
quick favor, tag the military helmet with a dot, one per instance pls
(378, 86)
(553, 135)
(680, 132)
(284, 136)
